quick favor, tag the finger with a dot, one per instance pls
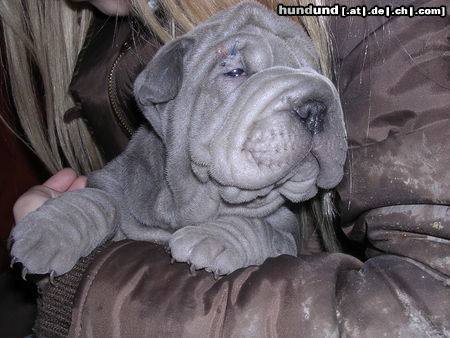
(31, 200)
(62, 180)
(79, 183)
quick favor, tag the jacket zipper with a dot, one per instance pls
(112, 93)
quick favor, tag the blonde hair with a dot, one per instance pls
(45, 37)
(33, 47)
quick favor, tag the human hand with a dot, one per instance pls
(64, 180)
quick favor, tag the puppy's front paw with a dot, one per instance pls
(42, 247)
(205, 248)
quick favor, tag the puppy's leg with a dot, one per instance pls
(229, 243)
(55, 236)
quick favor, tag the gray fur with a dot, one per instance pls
(211, 178)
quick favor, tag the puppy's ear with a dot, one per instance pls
(161, 79)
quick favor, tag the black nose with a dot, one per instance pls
(312, 113)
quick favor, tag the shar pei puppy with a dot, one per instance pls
(242, 123)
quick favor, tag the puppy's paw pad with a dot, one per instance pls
(42, 250)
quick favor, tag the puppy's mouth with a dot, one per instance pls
(284, 137)
(277, 147)
(277, 141)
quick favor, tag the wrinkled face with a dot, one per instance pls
(263, 120)
(239, 103)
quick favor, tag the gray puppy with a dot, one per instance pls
(242, 122)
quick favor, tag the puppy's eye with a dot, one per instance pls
(235, 72)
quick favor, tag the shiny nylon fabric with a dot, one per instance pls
(126, 294)
(395, 193)
(395, 92)
(132, 290)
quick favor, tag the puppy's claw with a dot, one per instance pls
(13, 261)
(216, 275)
(52, 277)
(192, 270)
(172, 260)
(24, 274)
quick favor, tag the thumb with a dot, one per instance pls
(62, 180)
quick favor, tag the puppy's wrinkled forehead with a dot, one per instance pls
(251, 29)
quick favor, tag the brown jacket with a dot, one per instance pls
(394, 200)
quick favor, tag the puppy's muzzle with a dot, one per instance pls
(274, 123)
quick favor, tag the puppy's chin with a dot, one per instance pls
(299, 184)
